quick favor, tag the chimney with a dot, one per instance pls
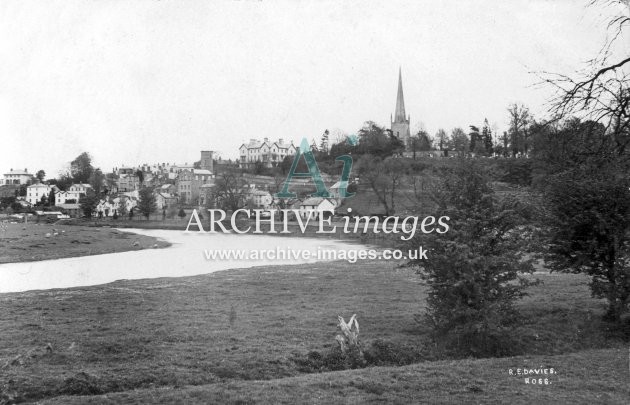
(26, 170)
(266, 139)
(280, 141)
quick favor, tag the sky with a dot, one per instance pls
(135, 82)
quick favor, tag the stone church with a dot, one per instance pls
(400, 121)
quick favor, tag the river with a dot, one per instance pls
(186, 257)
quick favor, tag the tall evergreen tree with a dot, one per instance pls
(486, 137)
(147, 204)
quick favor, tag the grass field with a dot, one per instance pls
(234, 337)
(589, 377)
(29, 242)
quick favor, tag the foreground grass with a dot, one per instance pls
(28, 242)
(219, 329)
(593, 376)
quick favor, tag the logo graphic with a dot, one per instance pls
(314, 173)
(353, 140)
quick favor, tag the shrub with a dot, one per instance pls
(475, 272)
(515, 171)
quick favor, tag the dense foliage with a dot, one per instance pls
(586, 189)
(475, 271)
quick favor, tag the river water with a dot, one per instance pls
(186, 257)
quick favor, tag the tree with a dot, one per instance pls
(460, 141)
(323, 146)
(16, 207)
(476, 146)
(88, 203)
(63, 182)
(442, 140)
(590, 221)
(122, 207)
(476, 271)
(6, 202)
(97, 181)
(582, 171)
(519, 129)
(259, 168)
(285, 165)
(486, 137)
(384, 176)
(41, 175)
(378, 141)
(140, 176)
(425, 143)
(601, 91)
(43, 201)
(229, 191)
(81, 168)
(51, 198)
(147, 204)
(414, 145)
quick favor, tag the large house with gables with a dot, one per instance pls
(270, 154)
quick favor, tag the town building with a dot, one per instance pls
(167, 189)
(107, 207)
(164, 200)
(127, 181)
(314, 207)
(206, 162)
(18, 177)
(270, 154)
(188, 183)
(73, 194)
(400, 121)
(72, 210)
(259, 198)
(35, 192)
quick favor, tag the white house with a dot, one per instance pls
(73, 194)
(17, 177)
(34, 192)
(269, 153)
(260, 198)
(107, 207)
(315, 207)
(123, 201)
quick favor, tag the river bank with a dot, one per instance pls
(191, 253)
(35, 242)
(295, 231)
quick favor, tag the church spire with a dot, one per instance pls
(399, 115)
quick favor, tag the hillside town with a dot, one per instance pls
(252, 179)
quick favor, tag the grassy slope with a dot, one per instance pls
(175, 332)
(594, 376)
(28, 242)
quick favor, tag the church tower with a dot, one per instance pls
(400, 123)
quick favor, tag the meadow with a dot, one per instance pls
(242, 336)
